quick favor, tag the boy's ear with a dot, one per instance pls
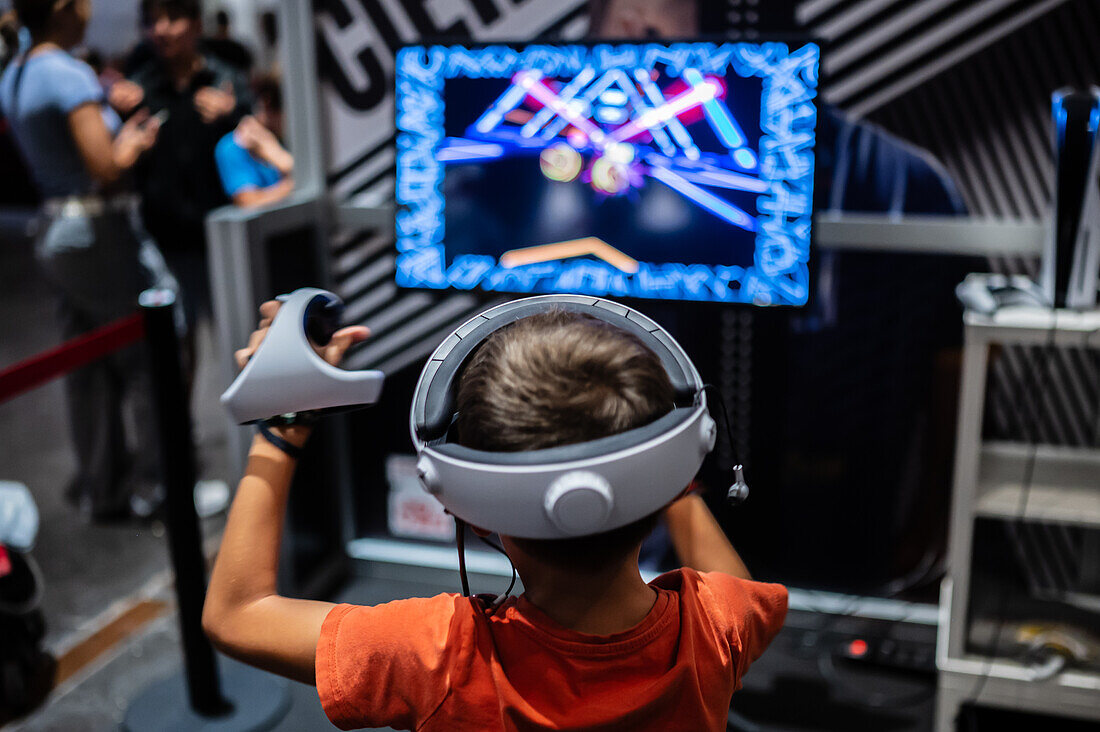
(480, 531)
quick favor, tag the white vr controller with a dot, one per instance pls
(286, 375)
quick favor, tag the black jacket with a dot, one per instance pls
(178, 179)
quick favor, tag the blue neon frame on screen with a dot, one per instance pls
(679, 171)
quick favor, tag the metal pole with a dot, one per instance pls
(173, 413)
(302, 91)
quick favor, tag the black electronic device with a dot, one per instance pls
(1071, 260)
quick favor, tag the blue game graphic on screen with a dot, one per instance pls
(680, 171)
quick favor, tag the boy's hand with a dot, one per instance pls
(332, 352)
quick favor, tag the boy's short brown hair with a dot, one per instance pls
(559, 378)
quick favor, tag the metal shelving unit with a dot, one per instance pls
(988, 482)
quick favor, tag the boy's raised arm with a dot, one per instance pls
(699, 541)
(243, 615)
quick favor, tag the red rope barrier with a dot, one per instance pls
(70, 356)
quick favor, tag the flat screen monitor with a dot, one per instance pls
(680, 171)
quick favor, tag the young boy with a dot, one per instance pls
(589, 645)
(255, 169)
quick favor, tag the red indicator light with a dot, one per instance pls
(857, 648)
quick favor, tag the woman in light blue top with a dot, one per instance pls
(89, 244)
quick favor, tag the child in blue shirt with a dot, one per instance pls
(255, 169)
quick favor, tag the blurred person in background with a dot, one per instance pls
(220, 44)
(90, 244)
(201, 99)
(16, 187)
(13, 40)
(107, 70)
(224, 46)
(255, 168)
(269, 49)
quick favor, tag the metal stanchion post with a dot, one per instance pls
(252, 700)
(178, 463)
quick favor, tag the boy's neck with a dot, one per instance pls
(602, 602)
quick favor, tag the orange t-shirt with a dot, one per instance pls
(440, 663)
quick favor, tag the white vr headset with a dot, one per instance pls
(571, 490)
(559, 492)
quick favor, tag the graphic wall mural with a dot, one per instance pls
(968, 81)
